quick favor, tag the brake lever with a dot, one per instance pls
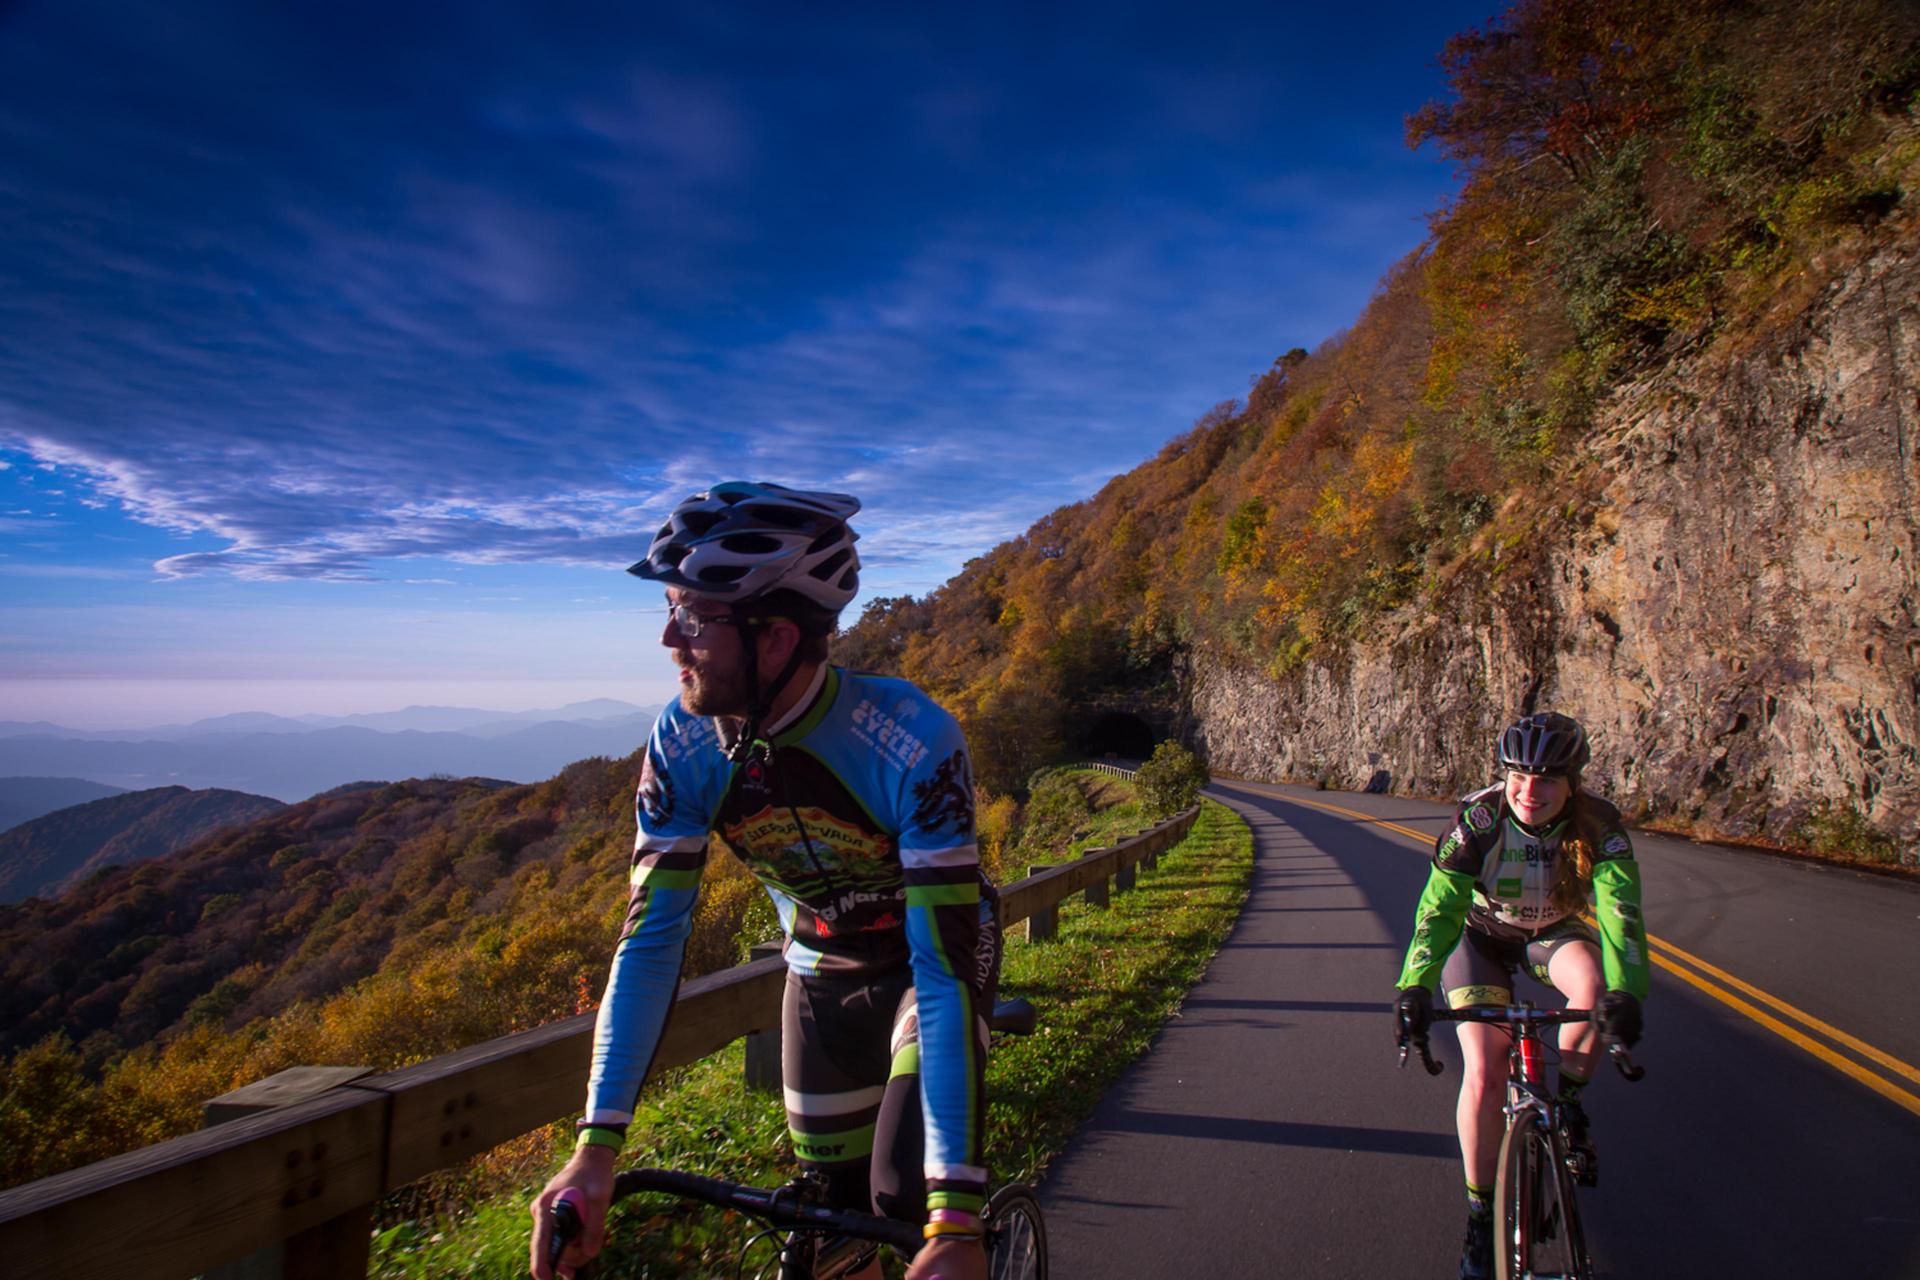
(1408, 1043)
(564, 1214)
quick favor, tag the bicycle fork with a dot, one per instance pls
(1527, 1091)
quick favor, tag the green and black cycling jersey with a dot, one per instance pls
(1494, 874)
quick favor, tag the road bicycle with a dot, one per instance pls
(816, 1242)
(1536, 1223)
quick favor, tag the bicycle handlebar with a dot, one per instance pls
(1514, 1015)
(780, 1208)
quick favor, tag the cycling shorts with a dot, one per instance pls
(850, 1060)
(1480, 970)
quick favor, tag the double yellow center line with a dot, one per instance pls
(1771, 1012)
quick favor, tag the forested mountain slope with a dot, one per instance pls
(23, 799)
(48, 855)
(298, 905)
(1632, 435)
(377, 924)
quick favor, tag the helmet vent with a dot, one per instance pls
(784, 517)
(831, 565)
(724, 573)
(751, 544)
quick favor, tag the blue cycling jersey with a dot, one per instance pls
(860, 825)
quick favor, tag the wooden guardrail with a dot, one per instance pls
(307, 1174)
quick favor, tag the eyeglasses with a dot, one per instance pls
(690, 623)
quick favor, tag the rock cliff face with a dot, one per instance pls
(1733, 617)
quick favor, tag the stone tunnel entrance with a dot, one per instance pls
(1115, 733)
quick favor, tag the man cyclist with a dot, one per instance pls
(1509, 881)
(851, 797)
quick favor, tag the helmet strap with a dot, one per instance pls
(752, 741)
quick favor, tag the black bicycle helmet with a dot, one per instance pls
(1548, 743)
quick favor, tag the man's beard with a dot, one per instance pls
(714, 692)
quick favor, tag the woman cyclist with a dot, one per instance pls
(1524, 859)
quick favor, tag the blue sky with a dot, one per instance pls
(348, 352)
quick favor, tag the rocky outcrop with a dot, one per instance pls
(1733, 615)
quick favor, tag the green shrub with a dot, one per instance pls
(1838, 828)
(219, 904)
(1170, 780)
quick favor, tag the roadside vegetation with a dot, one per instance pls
(1103, 987)
(1839, 831)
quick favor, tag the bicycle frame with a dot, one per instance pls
(809, 1253)
(1527, 1076)
(1534, 1116)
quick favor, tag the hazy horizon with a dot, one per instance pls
(138, 704)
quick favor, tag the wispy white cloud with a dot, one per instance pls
(69, 572)
(511, 314)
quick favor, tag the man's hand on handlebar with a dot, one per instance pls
(950, 1258)
(587, 1185)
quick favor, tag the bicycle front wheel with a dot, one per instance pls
(1016, 1235)
(1536, 1226)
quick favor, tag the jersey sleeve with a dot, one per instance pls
(675, 813)
(944, 924)
(1616, 910)
(1442, 913)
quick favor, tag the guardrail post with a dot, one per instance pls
(1150, 861)
(1097, 891)
(337, 1249)
(1123, 877)
(1044, 924)
(763, 1046)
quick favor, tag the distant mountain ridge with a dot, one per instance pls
(22, 799)
(49, 854)
(424, 719)
(291, 759)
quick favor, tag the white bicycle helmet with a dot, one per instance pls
(740, 540)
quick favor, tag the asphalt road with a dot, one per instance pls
(1269, 1133)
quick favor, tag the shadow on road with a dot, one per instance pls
(1288, 1133)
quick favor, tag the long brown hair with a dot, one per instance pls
(1577, 848)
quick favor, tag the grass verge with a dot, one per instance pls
(1103, 988)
